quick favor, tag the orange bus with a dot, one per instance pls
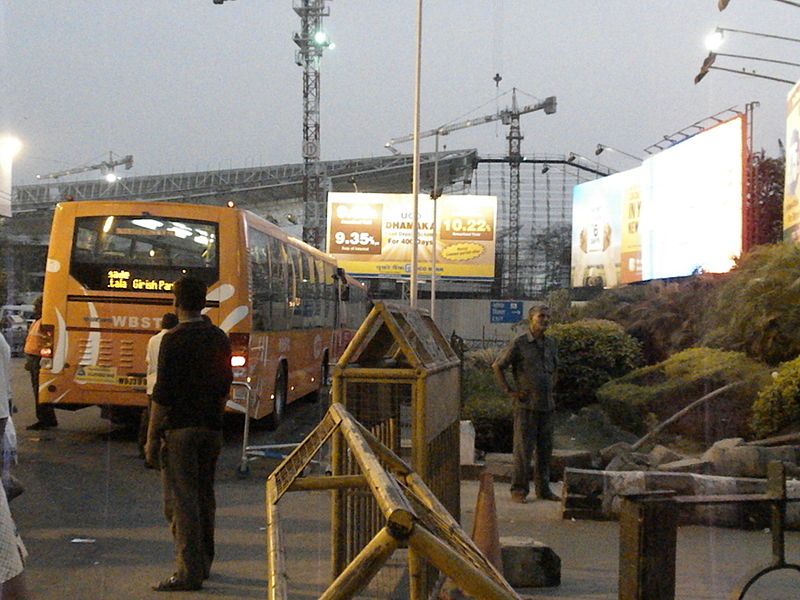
(110, 269)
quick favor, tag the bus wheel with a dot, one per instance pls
(315, 396)
(279, 407)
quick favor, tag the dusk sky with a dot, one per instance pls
(186, 85)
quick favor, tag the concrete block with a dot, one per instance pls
(467, 443)
(529, 564)
(687, 465)
(562, 459)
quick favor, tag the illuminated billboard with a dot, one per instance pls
(599, 209)
(370, 234)
(791, 194)
(679, 213)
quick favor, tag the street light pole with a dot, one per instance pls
(435, 197)
(9, 147)
(415, 168)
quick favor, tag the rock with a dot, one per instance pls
(629, 461)
(608, 453)
(715, 452)
(661, 454)
(529, 564)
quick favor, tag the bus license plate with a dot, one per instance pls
(132, 381)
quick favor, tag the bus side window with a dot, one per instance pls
(295, 289)
(310, 296)
(278, 292)
(259, 283)
(329, 294)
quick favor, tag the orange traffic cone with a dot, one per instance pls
(485, 533)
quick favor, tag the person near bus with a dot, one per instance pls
(193, 380)
(12, 550)
(45, 414)
(168, 321)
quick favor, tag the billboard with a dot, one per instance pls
(791, 193)
(370, 234)
(679, 213)
(601, 211)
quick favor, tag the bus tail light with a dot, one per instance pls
(240, 344)
(46, 333)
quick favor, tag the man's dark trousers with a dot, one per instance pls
(533, 430)
(188, 461)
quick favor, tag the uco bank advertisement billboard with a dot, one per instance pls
(370, 234)
(791, 196)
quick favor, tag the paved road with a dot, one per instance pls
(85, 481)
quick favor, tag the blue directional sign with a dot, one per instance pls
(505, 311)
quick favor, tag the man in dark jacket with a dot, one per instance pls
(193, 380)
(533, 360)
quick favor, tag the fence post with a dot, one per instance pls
(647, 543)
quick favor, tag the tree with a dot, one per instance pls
(765, 200)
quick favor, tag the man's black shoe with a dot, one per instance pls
(173, 584)
(39, 426)
(548, 495)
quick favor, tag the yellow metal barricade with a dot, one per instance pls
(409, 516)
(399, 378)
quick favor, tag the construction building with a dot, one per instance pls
(542, 190)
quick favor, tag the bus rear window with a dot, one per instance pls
(142, 254)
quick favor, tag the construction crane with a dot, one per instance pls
(106, 168)
(311, 41)
(510, 117)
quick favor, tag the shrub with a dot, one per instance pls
(652, 394)
(665, 317)
(590, 353)
(757, 309)
(485, 405)
(778, 404)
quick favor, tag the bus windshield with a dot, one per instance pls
(142, 254)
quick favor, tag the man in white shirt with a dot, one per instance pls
(5, 385)
(12, 550)
(168, 321)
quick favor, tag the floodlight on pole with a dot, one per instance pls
(723, 4)
(603, 147)
(715, 39)
(708, 65)
(9, 147)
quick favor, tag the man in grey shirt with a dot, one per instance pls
(533, 359)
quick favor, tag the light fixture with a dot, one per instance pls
(291, 218)
(572, 157)
(602, 147)
(545, 168)
(708, 65)
(714, 40)
(111, 177)
(9, 147)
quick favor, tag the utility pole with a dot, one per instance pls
(311, 41)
